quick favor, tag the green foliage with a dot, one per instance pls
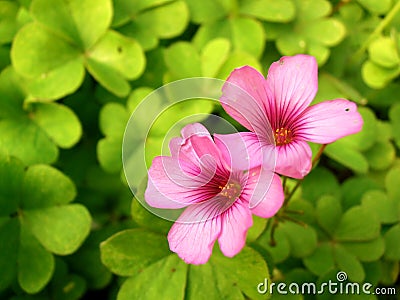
(154, 270)
(73, 72)
(76, 35)
(37, 220)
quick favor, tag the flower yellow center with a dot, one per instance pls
(231, 190)
(283, 136)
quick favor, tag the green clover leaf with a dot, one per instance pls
(76, 36)
(149, 21)
(151, 264)
(33, 131)
(216, 59)
(239, 23)
(312, 32)
(37, 220)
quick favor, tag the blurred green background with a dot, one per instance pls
(72, 71)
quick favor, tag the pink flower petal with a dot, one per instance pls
(292, 84)
(294, 159)
(193, 236)
(194, 129)
(272, 201)
(244, 98)
(174, 146)
(182, 148)
(245, 150)
(256, 183)
(235, 223)
(170, 187)
(328, 121)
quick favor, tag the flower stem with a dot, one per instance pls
(378, 30)
(284, 180)
(275, 221)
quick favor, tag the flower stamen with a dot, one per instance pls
(283, 136)
(231, 190)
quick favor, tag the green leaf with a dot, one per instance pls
(358, 224)
(321, 260)
(366, 251)
(109, 153)
(279, 252)
(165, 21)
(47, 86)
(33, 274)
(86, 261)
(84, 22)
(328, 32)
(59, 122)
(329, 213)
(385, 128)
(11, 173)
(60, 229)
(392, 238)
(9, 235)
(213, 56)
(108, 78)
(347, 156)
(392, 184)
(378, 77)
(377, 7)
(310, 10)
(27, 53)
(68, 286)
(240, 273)
(148, 21)
(383, 52)
(165, 277)
(348, 263)
(199, 280)
(384, 208)
(37, 146)
(354, 188)
(269, 10)
(208, 10)
(381, 156)
(146, 219)
(302, 240)
(44, 187)
(116, 58)
(290, 43)
(182, 60)
(373, 272)
(235, 60)
(39, 222)
(318, 183)
(245, 34)
(113, 118)
(124, 10)
(8, 25)
(122, 54)
(319, 51)
(126, 254)
(258, 227)
(390, 272)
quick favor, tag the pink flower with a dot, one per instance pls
(276, 109)
(202, 176)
